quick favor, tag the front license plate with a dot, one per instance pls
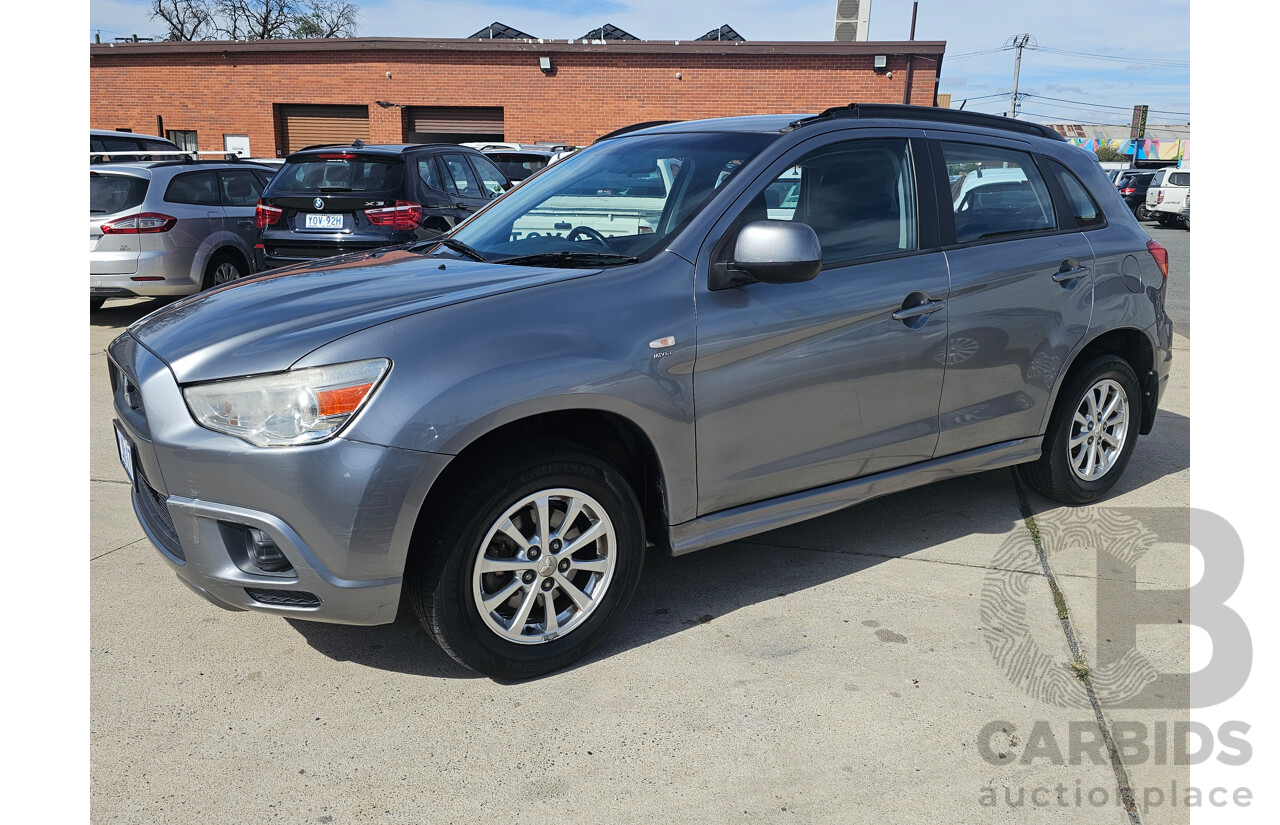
(324, 222)
(126, 454)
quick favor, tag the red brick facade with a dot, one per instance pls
(225, 88)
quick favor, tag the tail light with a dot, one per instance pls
(265, 216)
(1161, 255)
(144, 223)
(404, 215)
(1159, 197)
(1129, 190)
(336, 156)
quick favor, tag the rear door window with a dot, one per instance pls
(240, 187)
(1084, 209)
(1179, 179)
(490, 178)
(429, 171)
(459, 177)
(109, 194)
(194, 187)
(999, 193)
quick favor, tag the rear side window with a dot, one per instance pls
(430, 174)
(109, 194)
(240, 187)
(999, 193)
(490, 178)
(311, 175)
(1084, 209)
(194, 187)
(459, 177)
(1179, 179)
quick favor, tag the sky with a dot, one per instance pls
(1140, 52)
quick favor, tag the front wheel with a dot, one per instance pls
(532, 565)
(1091, 435)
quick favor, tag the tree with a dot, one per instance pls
(186, 19)
(327, 18)
(1106, 153)
(256, 19)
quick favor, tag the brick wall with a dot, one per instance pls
(588, 94)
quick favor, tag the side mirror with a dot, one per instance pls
(772, 252)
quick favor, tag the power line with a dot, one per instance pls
(975, 54)
(1160, 62)
(1103, 105)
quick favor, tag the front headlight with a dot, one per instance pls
(296, 407)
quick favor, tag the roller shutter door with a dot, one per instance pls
(454, 124)
(307, 125)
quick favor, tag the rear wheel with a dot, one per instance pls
(1141, 212)
(531, 565)
(223, 268)
(1091, 435)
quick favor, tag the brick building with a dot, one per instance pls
(280, 95)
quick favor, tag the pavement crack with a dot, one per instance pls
(114, 549)
(1079, 664)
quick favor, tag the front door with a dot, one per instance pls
(801, 385)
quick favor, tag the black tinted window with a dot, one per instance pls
(1084, 209)
(194, 187)
(460, 178)
(999, 192)
(517, 165)
(1179, 179)
(240, 187)
(311, 175)
(859, 197)
(109, 194)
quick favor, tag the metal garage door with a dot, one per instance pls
(307, 125)
(453, 124)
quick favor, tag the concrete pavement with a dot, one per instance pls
(856, 668)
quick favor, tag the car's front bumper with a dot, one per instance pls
(342, 512)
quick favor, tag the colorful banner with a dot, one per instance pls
(1149, 149)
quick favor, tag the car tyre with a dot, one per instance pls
(1141, 212)
(1092, 433)
(492, 523)
(222, 268)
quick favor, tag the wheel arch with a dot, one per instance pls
(613, 437)
(1136, 347)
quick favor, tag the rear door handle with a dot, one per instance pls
(927, 308)
(1064, 275)
(245, 223)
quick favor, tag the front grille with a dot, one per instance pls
(283, 598)
(155, 509)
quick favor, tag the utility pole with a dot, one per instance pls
(906, 92)
(1019, 41)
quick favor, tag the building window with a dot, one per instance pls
(186, 139)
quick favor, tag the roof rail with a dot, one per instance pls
(320, 146)
(898, 111)
(635, 127)
(169, 155)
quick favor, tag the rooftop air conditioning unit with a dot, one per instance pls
(853, 20)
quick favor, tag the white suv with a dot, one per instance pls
(1169, 191)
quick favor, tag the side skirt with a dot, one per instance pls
(750, 519)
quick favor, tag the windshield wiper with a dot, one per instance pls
(583, 258)
(335, 189)
(451, 243)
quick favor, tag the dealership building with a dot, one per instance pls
(271, 97)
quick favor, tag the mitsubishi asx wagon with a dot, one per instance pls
(494, 425)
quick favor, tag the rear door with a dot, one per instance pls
(192, 198)
(1021, 294)
(114, 194)
(240, 190)
(463, 184)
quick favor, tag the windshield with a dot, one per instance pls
(617, 202)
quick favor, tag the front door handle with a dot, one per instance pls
(927, 308)
(1069, 271)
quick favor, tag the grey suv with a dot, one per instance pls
(499, 422)
(170, 228)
